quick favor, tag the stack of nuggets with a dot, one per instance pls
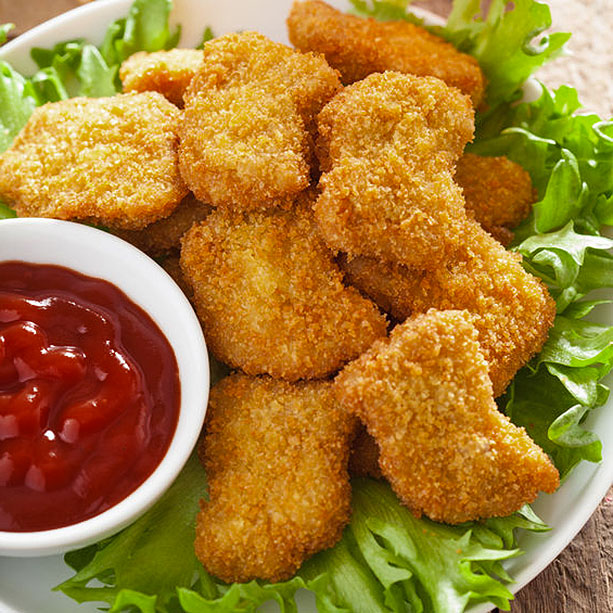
(257, 125)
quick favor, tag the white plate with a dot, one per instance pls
(25, 584)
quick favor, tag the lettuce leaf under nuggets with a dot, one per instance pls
(425, 396)
(166, 72)
(388, 147)
(276, 456)
(358, 47)
(249, 120)
(271, 298)
(108, 160)
(512, 309)
(497, 191)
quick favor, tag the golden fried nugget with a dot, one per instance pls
(249, 121)
(107, 160)
(512, 309)
(276, 456)
(166, 72)
(425, 396)
(389, 286)
(172, 265)
(497, 191)
(388, 146)
(358, 47)
(270, 297)
(165, 235)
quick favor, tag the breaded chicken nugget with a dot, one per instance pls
(270, 297)
(358, 47)
(512, 309)
(391, 287)
(172, 265)
(107, 160)
(249, 121)
(276, 456)
(497, 191)
(166, 72)
(425, 396)
(165, 235)
(388, 147)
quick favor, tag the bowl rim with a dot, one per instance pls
(191, 357)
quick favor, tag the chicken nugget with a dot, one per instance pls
(358, 47)
(249, 121)
(105, 160)
(512, 309)
(164, 235)
(270, 296)
(498, 192)
(166, 72)
(391, 287)
(276, 456)
(172, 265)
(388, 147)
(425, 396)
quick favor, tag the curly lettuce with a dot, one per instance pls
(387, 561)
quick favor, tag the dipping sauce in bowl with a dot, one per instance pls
(89, 396)
(113, 386)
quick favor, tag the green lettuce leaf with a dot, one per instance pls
(5, 28)
(154, 555)
(384, 10)
(77, 68)
(207, 35)
(144, 29)
(569, 158)
(387, 561)
(96, 77)
(6, 212)
(501, 40)
(419, 565)
(551, 404)
(17, 100)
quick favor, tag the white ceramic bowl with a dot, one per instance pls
(98, 254)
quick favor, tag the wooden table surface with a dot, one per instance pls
(580, 580)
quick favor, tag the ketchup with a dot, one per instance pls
(89, 396)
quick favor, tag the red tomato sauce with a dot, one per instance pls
(89, 396)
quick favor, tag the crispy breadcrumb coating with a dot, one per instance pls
(270, 296)
(358, 47)
(391, 287)
(497, 191)
(172, 265)
(425, 396)
(107, 160)
(512, 309)
(249, 116)
(276, 456)
(165, 235)
(166, 72)
(388, 146)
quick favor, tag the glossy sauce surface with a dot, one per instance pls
(89, 396)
